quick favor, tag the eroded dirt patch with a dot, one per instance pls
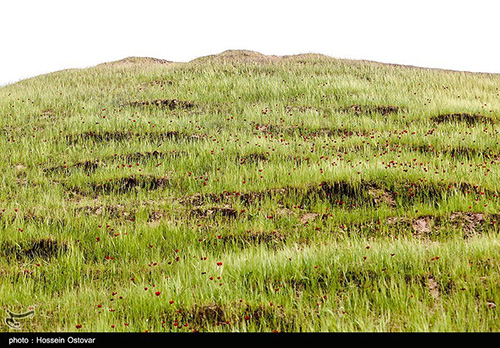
(213, 212)
(127, 184)
(472, 222)
(469, 119)
(45, 248)
(200, 316)
(381, 195)
(210, 313)
(339, 193)
(300, 108)
(252, 158)
(165, 103)
(384, 110)
(456, 152)
(422, 225)
(87, 166)
(142, 156)
(433, 287)
(90, 166)
(469, 222)
(309, 217)
(104, 136)
(155, 217)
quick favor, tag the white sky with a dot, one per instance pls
(41, 36)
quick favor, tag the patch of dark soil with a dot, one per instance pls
(268, 128)
(381, 195)
(458, 152)
(213, 212)
(468, 152)
(100, 136)
(303, 131)
(338, 193)
(472, 222)
(349, 194)
(384, 110)
(128, 184)
(155, 215)
(422, 225)
(469, 222)
(165, 103)
(139, 156)
(161, 83)
(469, 119)
(45, 248)
(207, 315)
(345, 194)
(253, 158)
(210, 313)
(300, 108)
(86, 166)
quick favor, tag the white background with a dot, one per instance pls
(41, 36)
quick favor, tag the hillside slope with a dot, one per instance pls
(245, 192)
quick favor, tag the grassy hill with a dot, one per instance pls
(244, 192)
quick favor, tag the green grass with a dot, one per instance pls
(245, 193)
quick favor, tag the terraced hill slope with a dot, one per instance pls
(244, 192)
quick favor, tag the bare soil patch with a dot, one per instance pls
(213, 212)
(165, 103)
(87, 166)
(155, 216)
(142, 156)
(103, 136)
(469, 119)
(45, 248)
(384, 110)
(253, 158)
(309, 217)
(342, 193)
(128, 184)
(469, 222)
